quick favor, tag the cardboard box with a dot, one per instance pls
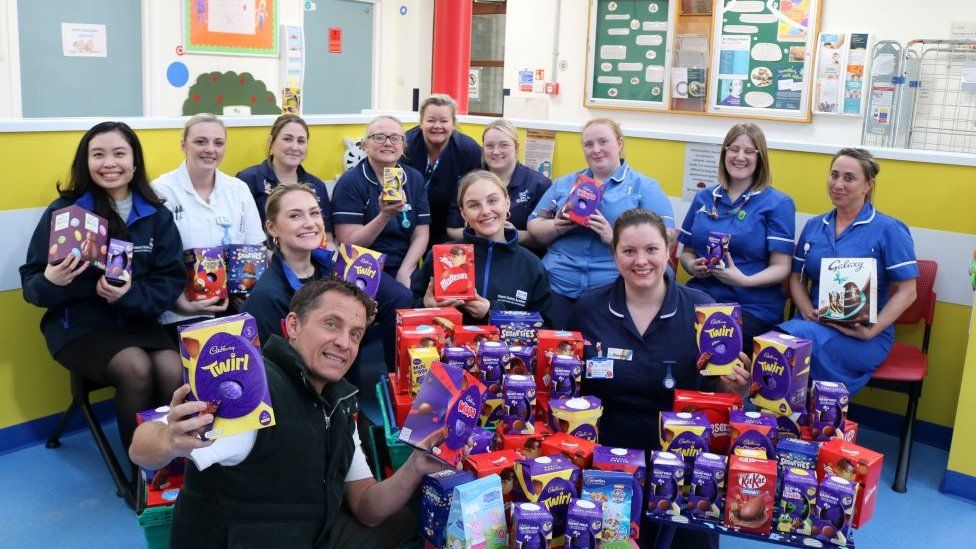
(118, 262)
(394, 180)
(436, 494)
(453, 271)
(718, 331)
(552, 343)
(477, 516)
(578, 450)
(584, 199)
(206, 274)
(716, 407)
(751, 494)
(409, 337)
(854, 463)
(551, 481)
(223, 365)
(848, 290)
(361, 266)
(76, 231)
(780, 371)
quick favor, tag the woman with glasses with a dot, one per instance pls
(524, 186)
(361, 217)
(760, 223)
(443, 155)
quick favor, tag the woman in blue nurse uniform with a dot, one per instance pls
(644, 322)
(760, 221)
(361, 217)
(579, 258)
(854, 228)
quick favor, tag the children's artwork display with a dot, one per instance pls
(230, 26)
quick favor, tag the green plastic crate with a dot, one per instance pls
(156, 523)
(399, 451)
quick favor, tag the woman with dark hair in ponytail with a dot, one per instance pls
(104, 332)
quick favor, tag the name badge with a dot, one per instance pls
(223, 220)
(599, 368)
(620, 354)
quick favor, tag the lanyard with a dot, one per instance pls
(737, 211)
(429, 171)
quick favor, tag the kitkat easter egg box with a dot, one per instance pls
(453, 271)
(751, 494)
(444, 413)
(78, 232)
(551, 481)
(361, 266)
(780, 370)
(718, 331)
(222, 364)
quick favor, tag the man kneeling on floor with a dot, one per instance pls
(283, 486)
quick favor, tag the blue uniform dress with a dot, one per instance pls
(261, 180)
(461, 155)
(578, 260)
(633, 399)
(524, 192)
(270, 298)
(356, 201)
(760, 223)
(837, 357)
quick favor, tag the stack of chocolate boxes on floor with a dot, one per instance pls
(501, 405)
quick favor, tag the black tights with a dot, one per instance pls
(142, 380)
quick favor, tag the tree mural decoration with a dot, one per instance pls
(216, 90)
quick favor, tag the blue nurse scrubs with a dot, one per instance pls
(461, 155)
(525, 189)
(760, 223)
(837, 357)
(261, 180)
(356, 201)
(633, 399)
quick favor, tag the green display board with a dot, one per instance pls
(762, 57)
(629, 53)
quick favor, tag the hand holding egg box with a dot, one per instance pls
(78, 232)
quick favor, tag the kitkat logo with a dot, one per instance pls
(752, 481)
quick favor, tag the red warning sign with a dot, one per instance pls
(335, 40)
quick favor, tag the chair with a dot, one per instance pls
(905, 368)
(80, 389)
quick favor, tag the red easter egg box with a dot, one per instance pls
(453, 271)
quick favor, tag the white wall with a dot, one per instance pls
(9, 66)
(404, 52)
(529, 34)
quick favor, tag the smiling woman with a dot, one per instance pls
(210, 207)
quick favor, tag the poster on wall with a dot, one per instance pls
(539, 148)
(83, 40)
(763, 57)
(701, 168)
(831, 62)
(293, 68)
(854, 80)
(240, 27)
(628, 54)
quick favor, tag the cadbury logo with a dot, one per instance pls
(846, 264)
(221, 349)
(232, 364)
(448, 280)
(752, 481)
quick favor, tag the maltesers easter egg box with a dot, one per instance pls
(222, 364)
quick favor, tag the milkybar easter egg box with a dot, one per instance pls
(453, 271)
(718, 330)
(361, 266)
(848, 290)
(222, 364)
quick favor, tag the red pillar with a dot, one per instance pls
(452, 50)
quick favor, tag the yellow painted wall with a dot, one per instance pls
(962, 457)
(32, 385)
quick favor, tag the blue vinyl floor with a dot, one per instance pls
(65, 498)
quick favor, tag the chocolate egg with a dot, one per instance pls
(78, 236)
(231, 390)
(751, 509)
(663, 505)
(53, 249)
(703, 505)
(828, 430)
(192, 346)
(828, 531)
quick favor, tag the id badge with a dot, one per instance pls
(599, 368)
(223, 221)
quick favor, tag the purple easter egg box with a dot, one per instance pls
(584, 523)
(780, 371)
(753, 430)
(245, 265)
(223, 366)
(584, 199)
(361, 266)
(78, 232)
(550, 481)
(459, 357)
(716, 246)
(118, 262)
(566, 373)
(834, 510)
(664, 484)
(436, 493)
(519, 394)
(444, 413)
(718, 330)
(523, 360)
(705, 494)
(531, 526)
(828, 410)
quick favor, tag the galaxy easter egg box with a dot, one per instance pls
(222, 364)
(718, 331)
(78, 232)
(848, 290)
(361, 266)
(245, 265)
(453, 271)
(444, 413)
(118, 262)
(206, 274)
(780, 370)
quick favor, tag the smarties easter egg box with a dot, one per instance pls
(444, 413)
(245, 265)
(76, 231)
(848, 290)
(453, 271)
(223, 365)
(361, 266)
